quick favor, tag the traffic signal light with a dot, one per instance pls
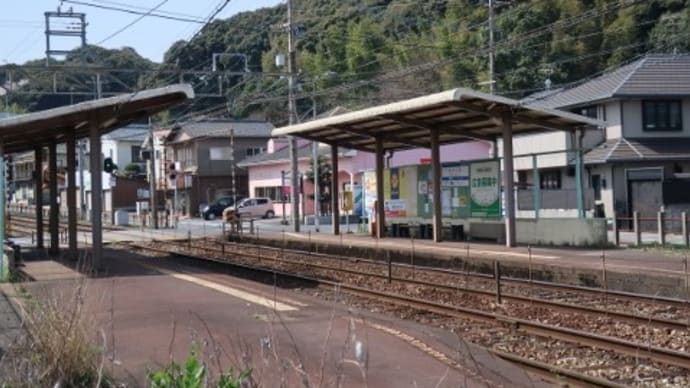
(9, 170)
(172, 172)
(9, 178)
(108, 165)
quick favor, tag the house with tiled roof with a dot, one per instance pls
(639, 162)
(206, 152)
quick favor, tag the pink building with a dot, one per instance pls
(265, 171)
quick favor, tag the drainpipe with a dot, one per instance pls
(388, 158)
(578, 176)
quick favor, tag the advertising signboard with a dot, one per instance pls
(485, 189)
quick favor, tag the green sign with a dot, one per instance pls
(485, 189)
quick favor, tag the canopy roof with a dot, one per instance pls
(460, 115)
(25, 132)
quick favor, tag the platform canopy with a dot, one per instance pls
(25, 132)
(459, 115)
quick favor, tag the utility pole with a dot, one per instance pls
(232, 168)
(317, 186)
(152, 180)
(491, 47)
(294, 177)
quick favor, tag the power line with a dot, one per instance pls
(133, 22)
(134, 6)
(135, 12)
(392, 75)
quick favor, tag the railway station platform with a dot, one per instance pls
(152, 309)
(648, 271)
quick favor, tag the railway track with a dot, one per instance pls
(525, 329)
(541, 286)
(488, 287)
(27, 225)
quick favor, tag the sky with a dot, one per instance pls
(22, 25)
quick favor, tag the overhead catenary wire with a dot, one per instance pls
(135, 12)
(130, 24)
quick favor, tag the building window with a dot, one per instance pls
(661, 115)
(136, 154)
(273, 192)
(251, 151)
(550, 180)
(587, 111)
(522, 179)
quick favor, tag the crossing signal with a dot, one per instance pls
(108, 165)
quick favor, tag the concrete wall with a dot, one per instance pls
(562, 231)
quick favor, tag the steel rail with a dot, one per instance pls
(637, 297)
(560, 306)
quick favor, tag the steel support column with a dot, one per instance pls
(436, 185)
(380, 212)
(95, 166)
(72, 194)
(53, 219)
(508, 181)
(38, 194)
(335, 190)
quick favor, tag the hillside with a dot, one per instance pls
(358, 53)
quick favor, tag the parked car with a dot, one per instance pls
(255, 207)
(215, 209)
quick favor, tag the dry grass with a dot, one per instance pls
(59, 349)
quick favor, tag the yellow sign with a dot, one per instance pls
(347, 200)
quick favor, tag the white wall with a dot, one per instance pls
(543, 142)
(612, 116)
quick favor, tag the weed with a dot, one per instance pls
(193, 374)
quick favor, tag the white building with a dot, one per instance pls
(639, 162)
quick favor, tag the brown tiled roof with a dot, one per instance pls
(638, 150)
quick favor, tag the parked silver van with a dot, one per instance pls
(260, 207)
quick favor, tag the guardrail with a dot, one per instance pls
(662, 225)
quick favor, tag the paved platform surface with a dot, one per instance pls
(152, 308)
(631, 260)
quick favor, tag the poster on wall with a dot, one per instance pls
(394, 182)
(485, 190)
(357, 203)
(369, 192)
(395, 208)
